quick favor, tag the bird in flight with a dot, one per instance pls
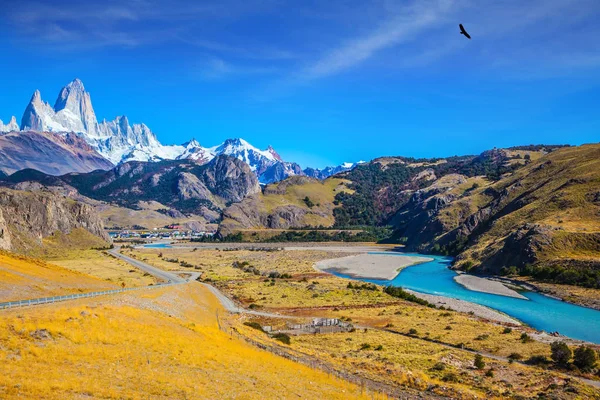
(463, 32)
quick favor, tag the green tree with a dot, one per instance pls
(585, 358)
(561, 353)
(479, 363)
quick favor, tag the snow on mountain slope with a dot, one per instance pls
(244, 151)
(119, 141)
(12, 126)
(116, 140)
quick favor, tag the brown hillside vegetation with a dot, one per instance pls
(547, 212)
(295, 202)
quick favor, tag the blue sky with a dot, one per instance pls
(322, 81)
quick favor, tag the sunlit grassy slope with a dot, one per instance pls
(560, 193)
(25, 278)
(104, 266)
(289, 193)
(161, 343)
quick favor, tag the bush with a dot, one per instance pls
(440, 366)
(253, 324)
(484, 336)
(308, 202)
(515, 356)
(378, 348)
(507, 330)
(525, 338)
(413, 331)
(365, 346)
(490, 373)
(537, 360)
(561, 353)
(451, 377)
(282, 337)
(478, 362)
(585, 358)
(402, 294)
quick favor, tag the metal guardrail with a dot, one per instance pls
(55, 299)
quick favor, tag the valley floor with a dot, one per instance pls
(179, 342)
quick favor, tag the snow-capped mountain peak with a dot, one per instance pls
(119, 141)
(12, 125)
(244, 151)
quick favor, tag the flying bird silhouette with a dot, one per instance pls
(463, 32)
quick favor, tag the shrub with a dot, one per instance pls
(478, 362)
(282, 337)
(413, 331)
(402, 294)
(515, 356)
(378, 348)
(483, 337)
(525, 338)
(537, 360)
(448, 328)
(561, 353)
(254, 324)
(451, 377)
(365, 346)
(440, 366)
(507, 330)
(585, 358)
(490, 373)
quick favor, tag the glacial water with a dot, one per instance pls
(540, 312)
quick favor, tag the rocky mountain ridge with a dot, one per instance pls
(119, 141)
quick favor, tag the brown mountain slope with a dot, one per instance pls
(52, 153)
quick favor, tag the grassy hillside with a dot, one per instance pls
(547, 213)
(26, 278)
(160, 344)
(542, 219)
(292, 203)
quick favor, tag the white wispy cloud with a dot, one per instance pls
(407, 23)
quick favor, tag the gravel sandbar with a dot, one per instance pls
(484, 285)
(370, 266)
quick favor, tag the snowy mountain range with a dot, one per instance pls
(119, 141)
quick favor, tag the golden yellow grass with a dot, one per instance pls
(325, 293)
(25, 278)
(103, 265)
(57, 243)
(406, 362)
(164, 344)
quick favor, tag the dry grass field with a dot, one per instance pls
(416, 362)
(160, 343)
(26, 278)
(102, 265)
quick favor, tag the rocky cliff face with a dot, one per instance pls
(182, 185)
(230, 178)
(26, 218)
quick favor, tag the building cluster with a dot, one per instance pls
(317, 325)
(156, 234)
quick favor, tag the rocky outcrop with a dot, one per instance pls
(26, 218)
(230, 178)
